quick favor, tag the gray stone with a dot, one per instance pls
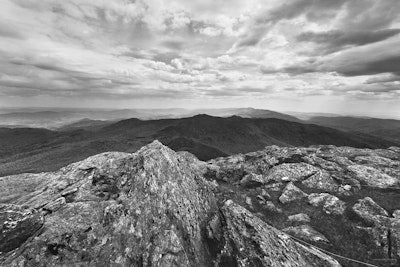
(258, 244)
(252, 180)
(291, 172)
(369, 211)
(299, 218)
(291, 193)
(322, 181)
(306, 233)
(330, 204)
(372, 177)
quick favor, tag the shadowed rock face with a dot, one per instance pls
(18, 225)
(150, 208)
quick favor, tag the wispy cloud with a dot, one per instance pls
(197, 50)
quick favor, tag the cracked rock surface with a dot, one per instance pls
(150, 208)
(157, 207)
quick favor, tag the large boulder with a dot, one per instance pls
(149, 208)
(291, 193)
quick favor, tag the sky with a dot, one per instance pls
(340, 56)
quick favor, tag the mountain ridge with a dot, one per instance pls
(205, 136)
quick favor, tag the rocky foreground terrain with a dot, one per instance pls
(157, 207)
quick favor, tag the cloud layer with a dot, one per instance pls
(199, 51)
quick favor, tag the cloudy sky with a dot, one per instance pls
(339, 56)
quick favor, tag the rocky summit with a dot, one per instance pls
(281, 206)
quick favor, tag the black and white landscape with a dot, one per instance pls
(200, 133)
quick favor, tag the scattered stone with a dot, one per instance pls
(372, 177)
(252, 242)
(261, 199)
(346, 187)
(214, 228)
(369, 211)
(396, 214)
(157, 207)
(376, 161)
(291, 193)
(322, 181)
(270, 206)
(291, 172)
(265, 194)
(322, 163)
(249, 203)
(252, 180)
(275, 187)
(306, 233)
(299, 218)
(330, 204)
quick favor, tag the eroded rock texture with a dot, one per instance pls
(342, 199)
(144, 209)
(150, 208)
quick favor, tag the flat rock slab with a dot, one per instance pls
(291, 172)
(372, 177)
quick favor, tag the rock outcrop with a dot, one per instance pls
(149, 208)
(157, 207)
(248, 241)
(326, 183)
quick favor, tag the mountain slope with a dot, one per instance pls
(205, 136)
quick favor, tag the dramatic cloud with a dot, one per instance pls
(199, 53)
(333, 41)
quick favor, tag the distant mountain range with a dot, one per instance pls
(35, 150)
(385, 128)
(59, 118)
(73, 119)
